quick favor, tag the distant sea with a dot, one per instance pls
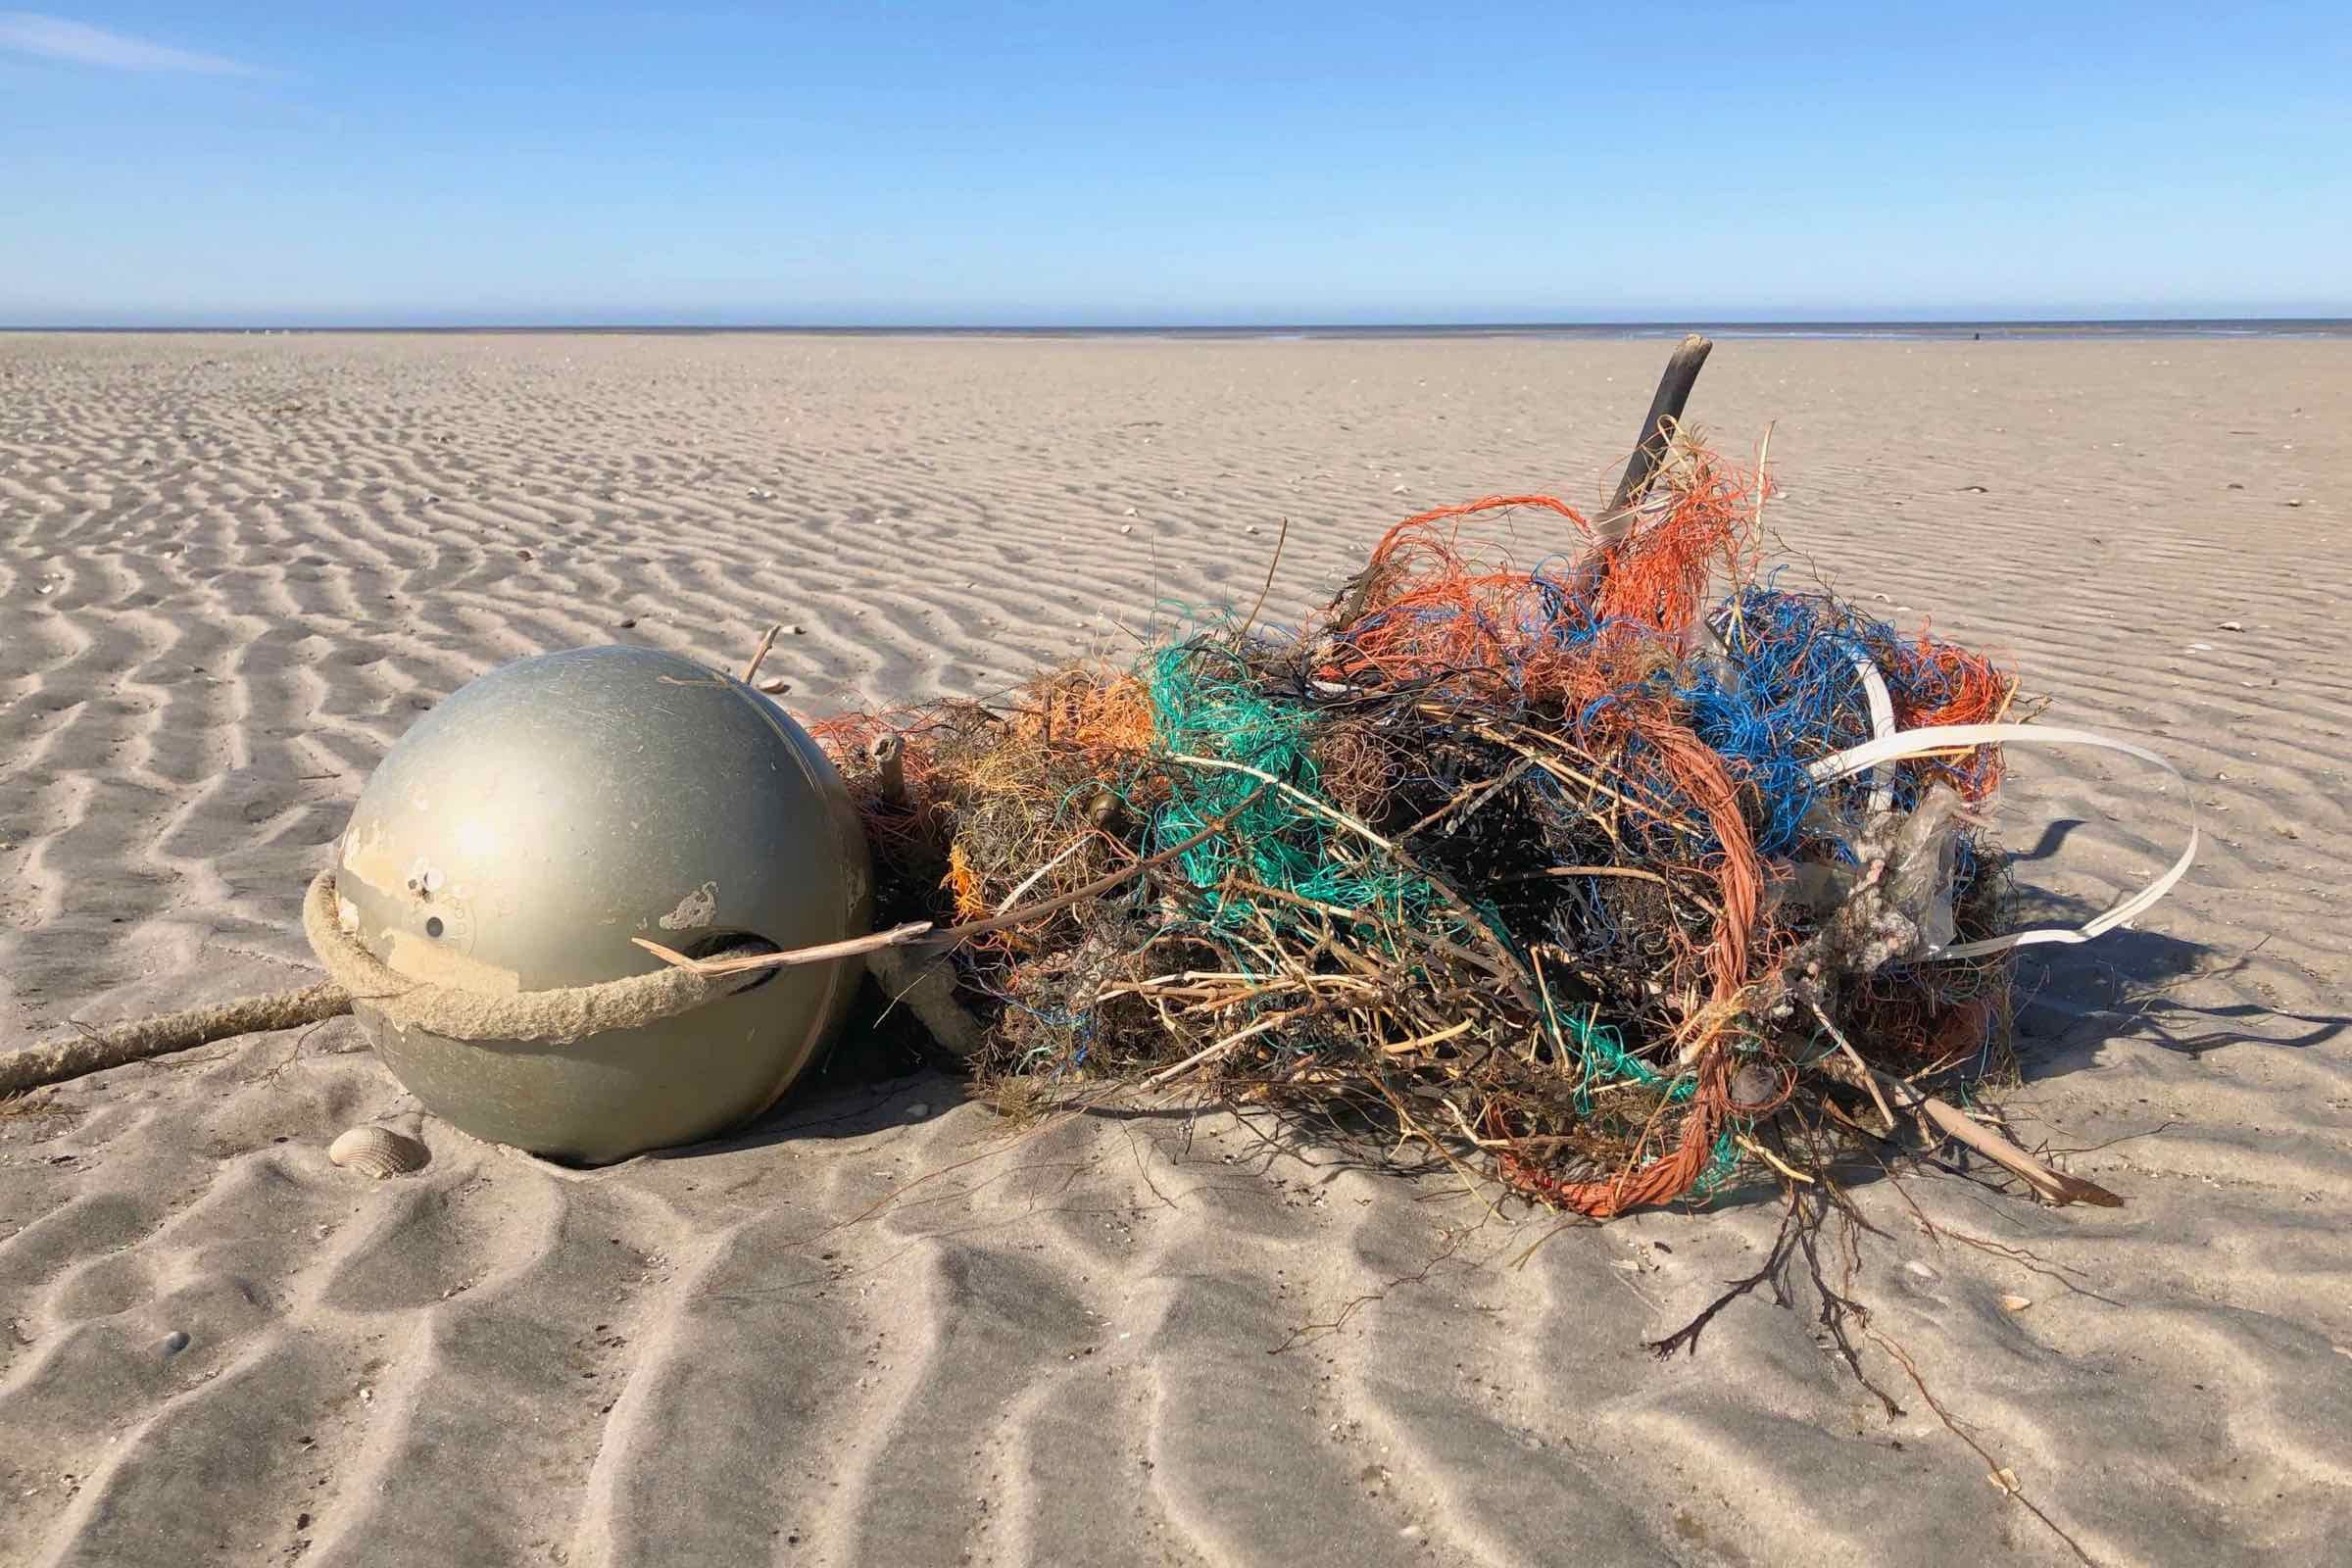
(2217, 327)
(2316, 326)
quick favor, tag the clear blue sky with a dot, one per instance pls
(1130, 164)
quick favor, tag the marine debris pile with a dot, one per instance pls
(1576, 853)
(1579, 873)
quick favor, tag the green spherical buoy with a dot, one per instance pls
(525, 829)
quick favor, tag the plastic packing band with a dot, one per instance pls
(1934, 738)
(1882, 725)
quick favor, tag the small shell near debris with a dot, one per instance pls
(378, 1152)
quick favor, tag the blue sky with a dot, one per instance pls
(1126, 163)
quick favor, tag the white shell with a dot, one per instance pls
(378, 1152)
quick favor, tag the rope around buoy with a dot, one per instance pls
(552, 1017)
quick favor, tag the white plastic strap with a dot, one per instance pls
(1913, 743)
(1882, 725)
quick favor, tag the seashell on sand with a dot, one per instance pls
(378, 1152)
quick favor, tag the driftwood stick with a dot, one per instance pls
(1665, 413)
(1955, 1124)
(767, 640)
(140, 1038)
(898, 936)
(888, 756)
(2056, 1186)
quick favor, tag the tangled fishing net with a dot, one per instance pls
(1560, 869)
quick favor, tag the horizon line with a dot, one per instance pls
(1723, 324)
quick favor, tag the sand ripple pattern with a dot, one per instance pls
(233, 569)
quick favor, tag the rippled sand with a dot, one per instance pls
(233, 569)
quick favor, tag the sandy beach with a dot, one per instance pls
(233, 570)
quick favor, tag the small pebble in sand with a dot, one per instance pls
(627, 621)
(1126, 527)
(2296, 502)
(2230, 626)
(175, 1341)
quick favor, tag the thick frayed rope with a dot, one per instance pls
(144, 1039)
(547, 1016)
(555, 1018)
